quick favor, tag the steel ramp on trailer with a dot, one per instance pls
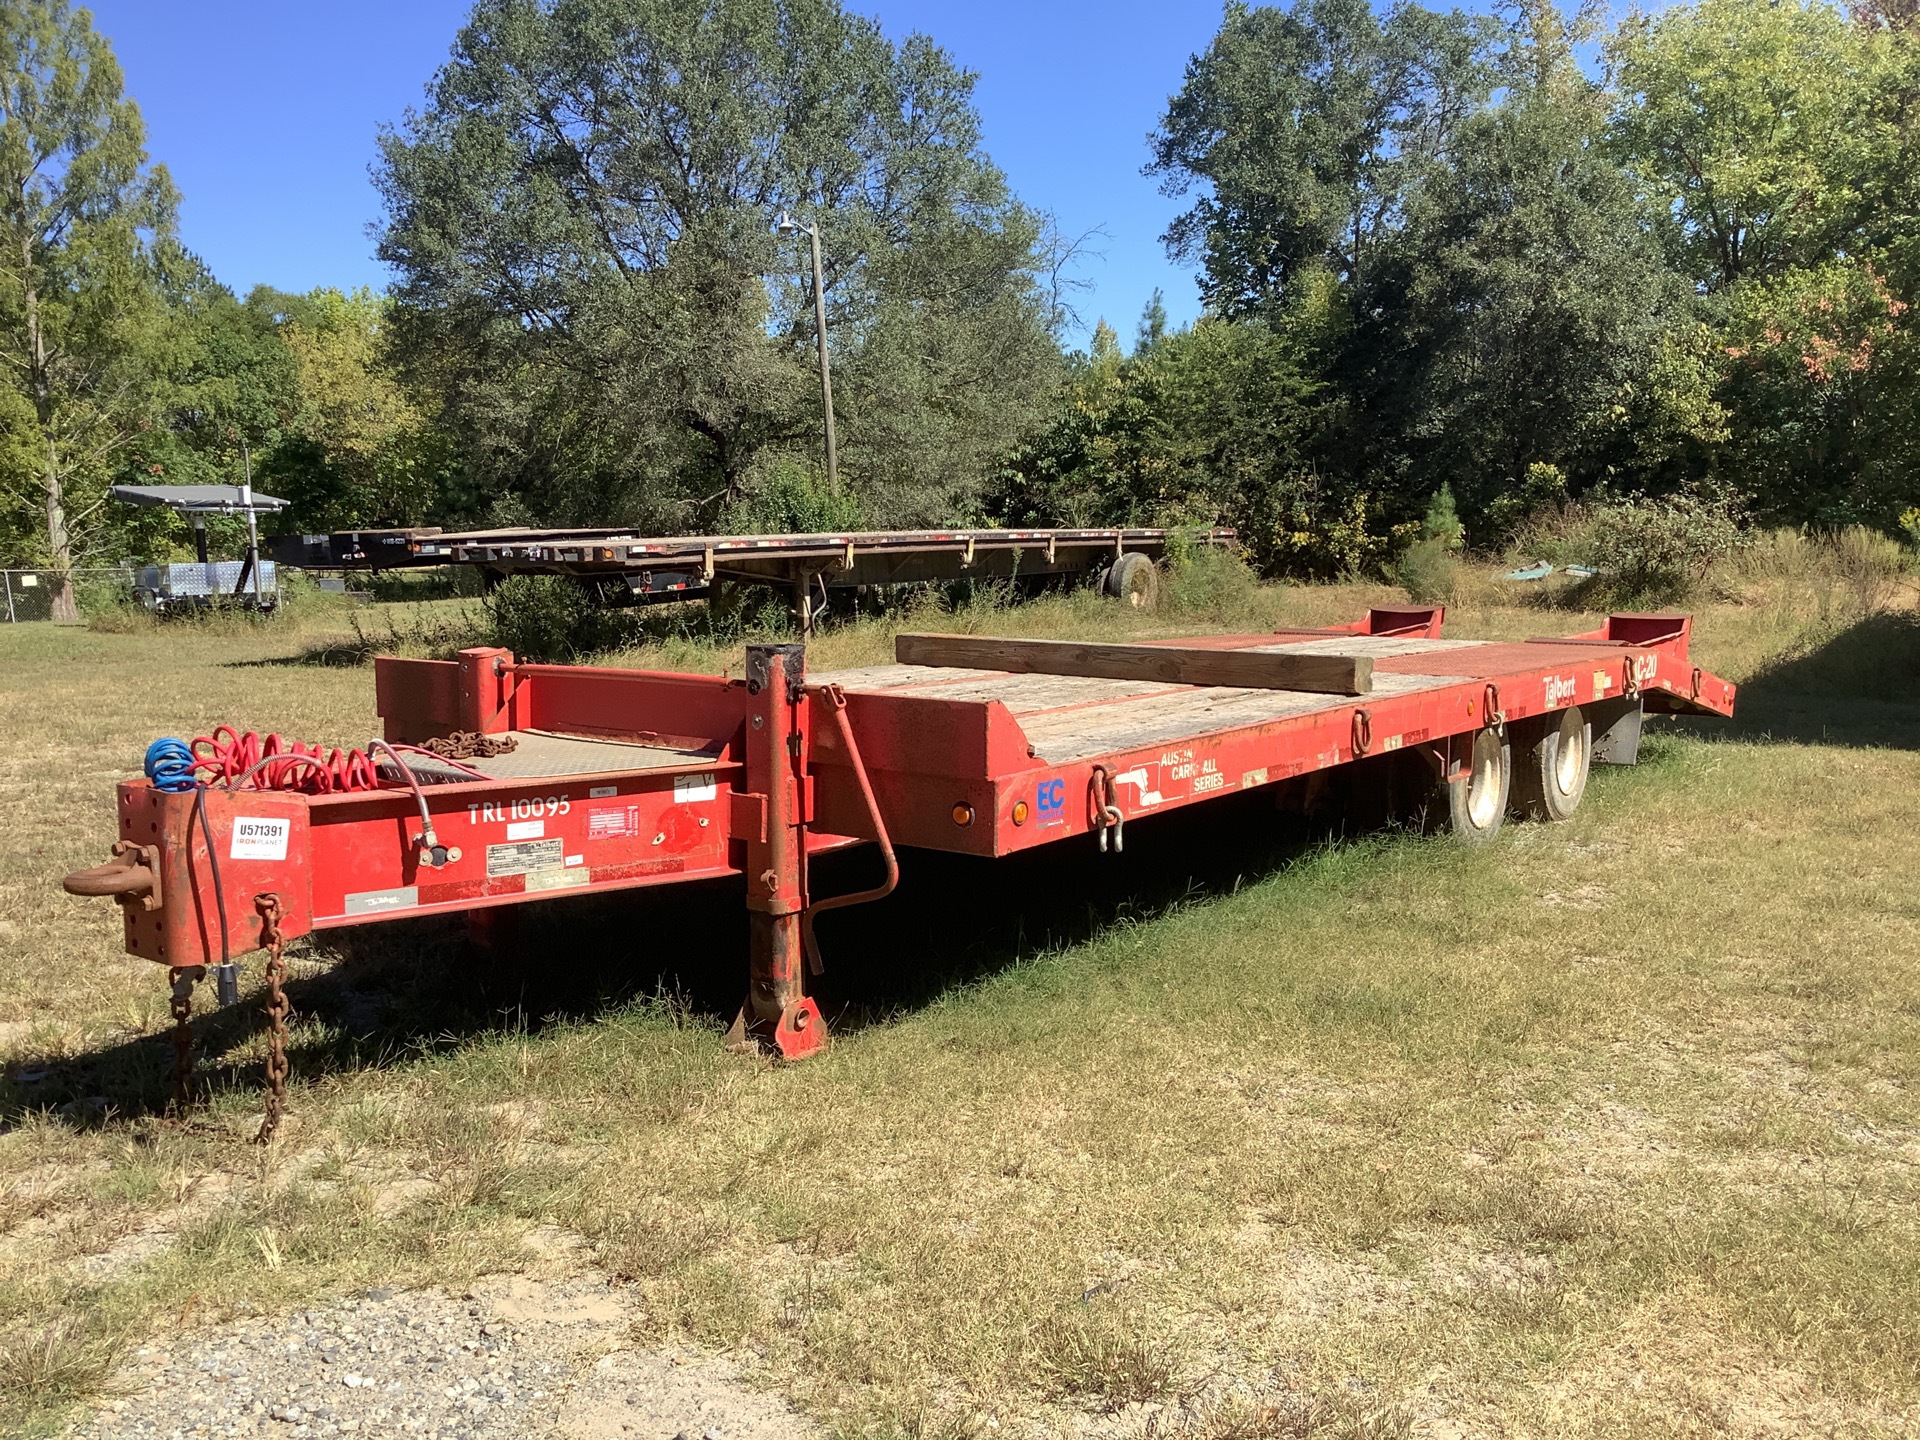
(974, 745)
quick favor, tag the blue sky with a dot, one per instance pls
(266, 113)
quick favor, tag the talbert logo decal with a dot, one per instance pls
(1559, 691)
(1050, 799)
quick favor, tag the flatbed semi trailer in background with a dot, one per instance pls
(621, 565)
(497, 782)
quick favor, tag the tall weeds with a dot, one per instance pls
(1836, 577)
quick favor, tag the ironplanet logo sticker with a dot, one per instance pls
(259, 838)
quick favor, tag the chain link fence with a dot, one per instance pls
(28, 594)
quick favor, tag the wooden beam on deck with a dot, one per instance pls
(1240, 669)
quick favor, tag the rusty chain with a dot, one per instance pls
(269, 907)
(470, 745)
(182, 978)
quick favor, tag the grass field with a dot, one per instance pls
(1607, 1129)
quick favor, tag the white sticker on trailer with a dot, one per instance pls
(374, 902)
(688, 788)
(525, 857)
(527, 830)
(558, 879)
(610, 822)
(260, 837)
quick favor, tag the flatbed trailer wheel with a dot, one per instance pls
(1134, 579)
(1554, 761)
(1477, 803)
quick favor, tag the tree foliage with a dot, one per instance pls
(1517, 277)
(1302, 133)
(1457, 269)
(357, 448)
(87, 254)
(1740, 120)
(582, 222)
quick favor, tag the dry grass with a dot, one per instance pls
(1608, 1129)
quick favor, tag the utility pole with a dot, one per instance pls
(253, 523)
(790, 226)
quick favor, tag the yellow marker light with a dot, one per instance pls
(963, 814)
(1020, 812)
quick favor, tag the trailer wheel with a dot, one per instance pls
(1478, 803)
(1134, 579)
(1552, 774)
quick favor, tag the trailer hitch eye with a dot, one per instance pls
(131, 877)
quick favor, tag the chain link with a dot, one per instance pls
(269, 908)
(469, 745)
(182, 978)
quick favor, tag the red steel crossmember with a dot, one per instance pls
(652, 778)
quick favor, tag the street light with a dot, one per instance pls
(790, 226)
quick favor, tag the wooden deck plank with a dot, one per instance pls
(1373, 646)
(1063, 737)
(1266, 668)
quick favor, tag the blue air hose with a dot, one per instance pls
(169, 765)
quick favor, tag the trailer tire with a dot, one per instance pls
(1477, 802)
(1556, 758)
(1134, 579)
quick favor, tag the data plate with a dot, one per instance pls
(524, 857)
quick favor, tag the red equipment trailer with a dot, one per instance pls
(624, 778)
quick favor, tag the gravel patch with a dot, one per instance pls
(514, 1357)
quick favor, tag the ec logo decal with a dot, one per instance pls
(1051, 800)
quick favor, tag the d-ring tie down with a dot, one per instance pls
(1104, 799)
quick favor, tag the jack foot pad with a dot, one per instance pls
(800, 1031)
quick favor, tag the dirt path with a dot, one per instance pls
(513, 1357)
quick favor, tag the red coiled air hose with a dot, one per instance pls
(278, 764)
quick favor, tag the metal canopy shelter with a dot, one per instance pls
(197, 502)
(199, 499)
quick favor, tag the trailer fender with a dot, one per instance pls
(1616, 730)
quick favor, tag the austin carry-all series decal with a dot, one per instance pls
(1177, 773)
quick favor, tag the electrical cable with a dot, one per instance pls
(213, 860)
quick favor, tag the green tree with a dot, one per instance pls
(1153, 323)
(357, 449)
(86, 240)
(1303, 132)
(1742, 119)
(220, 402)
(1823, 373)
(1210, 425)
(1536, 299)
(582, 223)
